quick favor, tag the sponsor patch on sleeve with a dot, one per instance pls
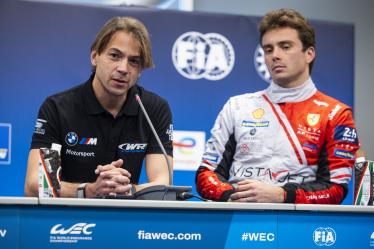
(345, 134)
(343, 154)
(211, 157)
(40, 126)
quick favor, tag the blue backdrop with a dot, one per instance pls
(45, 49)
(91, 227)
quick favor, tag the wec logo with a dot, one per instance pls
(78, 228)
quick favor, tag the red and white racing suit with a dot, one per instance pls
(299, 139)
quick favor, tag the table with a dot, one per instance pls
(96, 223)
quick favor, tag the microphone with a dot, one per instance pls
(160, 192)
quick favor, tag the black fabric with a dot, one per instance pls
(226, 195)
(223, 168)
(290, 193)
(128, 136)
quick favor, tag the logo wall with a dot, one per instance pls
(188, 149)
(261, 68)
(210, 56)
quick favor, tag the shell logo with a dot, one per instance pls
(258, 113)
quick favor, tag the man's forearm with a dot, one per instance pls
(314, 193)
(68, 189)
(31, 191)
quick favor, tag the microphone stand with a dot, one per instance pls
(161, 192)
(157, 137)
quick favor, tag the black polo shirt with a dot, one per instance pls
(91, 136)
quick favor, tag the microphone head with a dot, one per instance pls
(135, 93)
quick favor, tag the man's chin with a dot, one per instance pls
(119, 92)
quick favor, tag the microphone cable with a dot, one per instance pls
(188, 195)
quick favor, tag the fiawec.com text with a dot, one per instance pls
(142, 235)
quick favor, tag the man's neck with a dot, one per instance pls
(111, 103)
(279, 94)
(294, 83)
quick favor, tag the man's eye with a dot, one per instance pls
(134, 62)
(114, 56)
(268, 50)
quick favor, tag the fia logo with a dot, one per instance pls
(372, 239)
(261, 68)
(324, 236)
(196, 56)
(78, 228)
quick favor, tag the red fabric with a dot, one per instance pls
(333, 195)
(209, 186)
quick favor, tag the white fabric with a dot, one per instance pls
(278, 94)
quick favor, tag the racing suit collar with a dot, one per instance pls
(279, 94)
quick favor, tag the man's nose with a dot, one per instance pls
(123, 66)
(276, 54)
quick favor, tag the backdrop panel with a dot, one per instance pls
(201, 60)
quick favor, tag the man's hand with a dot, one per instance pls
(256, 191)
(112, 180)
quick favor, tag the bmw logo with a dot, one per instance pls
(71, 138)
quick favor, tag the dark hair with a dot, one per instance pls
(290, 18)
(131, 26)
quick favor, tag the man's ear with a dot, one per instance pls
(93, 58)
(310, 54)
